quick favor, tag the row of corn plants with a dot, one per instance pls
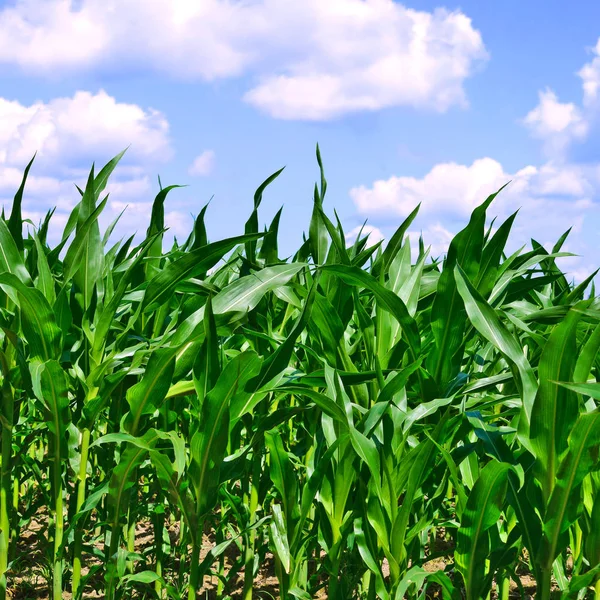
(368, 422)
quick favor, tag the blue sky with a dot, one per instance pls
(414, 102)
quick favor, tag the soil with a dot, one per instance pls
(29, 580)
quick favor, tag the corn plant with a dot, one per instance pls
(355, 420)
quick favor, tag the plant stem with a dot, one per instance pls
(249, 558)
(194, 570)
(130, 528)
(85, 446)
(182, 551)
(5, 476)
(158, 540)
(504, 587)
(58, 525)
(544, 584)
(4, 506)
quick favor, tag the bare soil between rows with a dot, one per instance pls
(30, 578)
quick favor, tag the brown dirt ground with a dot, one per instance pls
(30, 583)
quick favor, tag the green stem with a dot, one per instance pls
(249, 558)
(283, 579)
(82, 476)
(158, 538)
(58, 524)
(220, 536)
(335, 557)
(5, 475)
(332, 590)
(14, 533)
(182, 550)
(544, 584)
(503, 592)
(4, 506)
(130, 538)
(111, 559)
(597, 590)
(194, 570)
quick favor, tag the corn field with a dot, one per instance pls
(360, 420)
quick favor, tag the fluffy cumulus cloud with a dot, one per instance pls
(310, 60)
(558, 124)
(590, 76)
(436, 239)
(549, 199)
(374, 233)
(68, 134)
(80, 127)
(448, 188)
(203, 164)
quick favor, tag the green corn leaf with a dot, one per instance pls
(209, 442)
(394, 245)
(38, 321)
(144, 397)
(484, 318)
(240, 297)
(246, 366)
(155, 231)
(369, 560)
(45, 281)
(491, 256)
(592, 542)
(105, 172)
(284, 478)
(10, 257)
(482, 511)
(587, 357)
(123, 479)
(448, 318)
(179, 495)
(207, 366)
(268, 250)
(564, 505)
(280, 538)
(15, 221)
(555, 408)
(278, 360)
(162, 285)
(106, 314)
(251, 228)
(78, 254)
(51, 387)
(91, 258)
(200, 236)
(387, 299)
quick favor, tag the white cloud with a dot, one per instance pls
(590, 75)
(136, 218)
(559, 124)
(67, 133)
(455, 190)
(203, 164)
(550, 198)
(372, 55)
(80, 127)
(374, 233)
(448, 188)
(435, 237)
(556, 123)
(314, 60)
